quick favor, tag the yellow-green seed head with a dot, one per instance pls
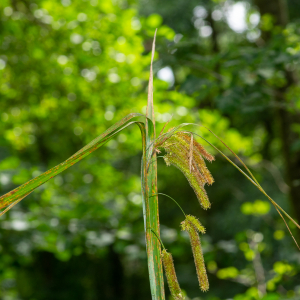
(186, 154)
(194, 178)
(196, 223)
(198, 153)
(166, 159)
(171, 275)
(188, 226)
(198, 146)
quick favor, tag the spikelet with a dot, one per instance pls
(187, 155)
(196, 223)
(180, 153)
(198, 146)
(191, 152)
(194, 178)
(171, 275)
(198, 152)
(192, 225)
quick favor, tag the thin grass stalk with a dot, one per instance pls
(254, 182)
(164, 136)
(167, 135)
(150, 203)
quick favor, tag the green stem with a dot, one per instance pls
(150, 204)
(158, 238)
(171, 199)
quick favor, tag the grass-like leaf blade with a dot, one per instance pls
(150, 204)
(16, 195)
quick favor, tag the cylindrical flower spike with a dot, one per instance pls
(196, 223)
(195, 178)
(199, 147)
(186, 154)
(171, 275)
(189, 225)
(198, 153)
(183, 152)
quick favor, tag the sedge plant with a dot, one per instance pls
(183, 152)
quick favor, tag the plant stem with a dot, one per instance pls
(173, 200)
(150, 204)
(161, 243)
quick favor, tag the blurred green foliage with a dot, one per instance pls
(257, 208)
(69, 70)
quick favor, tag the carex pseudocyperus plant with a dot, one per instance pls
(183, 152)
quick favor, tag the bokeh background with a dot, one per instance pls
(69, 69)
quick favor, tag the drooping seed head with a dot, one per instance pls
(199, 147)
(188, 226)
(198, 153)
(196, 223)
(171, 275)
(166, 159)
(187, 155)
(194, 178)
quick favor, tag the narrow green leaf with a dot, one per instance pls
(16, 195)
(150, 108)
(150, 204)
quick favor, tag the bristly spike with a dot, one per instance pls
(198, 154)
(184, 153)
(199, 161)
(191, 152)
(188, 226)
(171, 275)
(195, 178)
(199, 147)
(196, 223)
